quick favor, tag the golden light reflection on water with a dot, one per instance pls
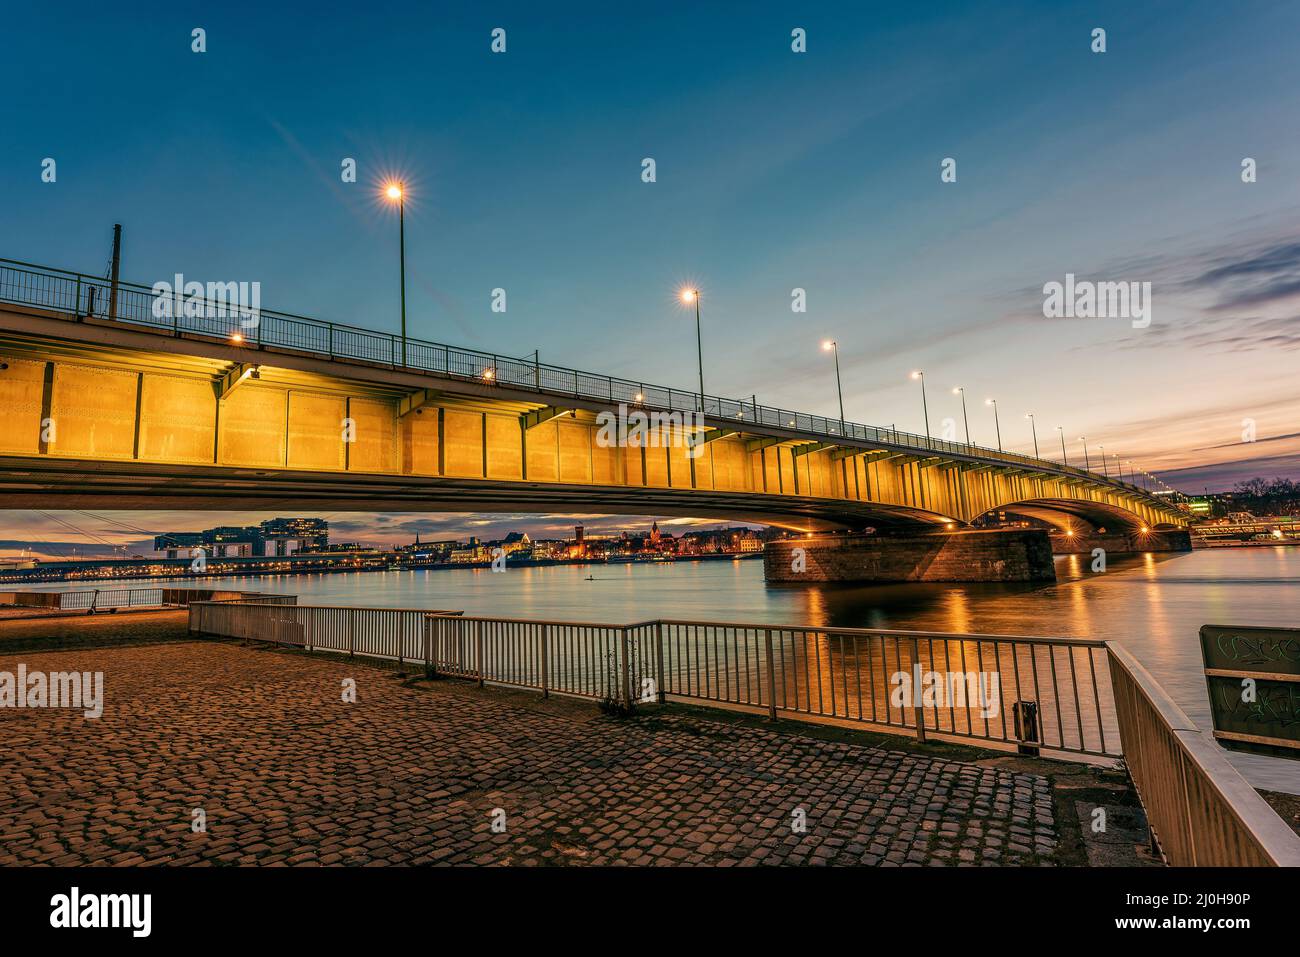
(959, 610)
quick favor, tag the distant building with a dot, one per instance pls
(275, 537)
(516, 542)
(286, 536)
(178, 544)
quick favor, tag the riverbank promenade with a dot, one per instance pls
(260, 745)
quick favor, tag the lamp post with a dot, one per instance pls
(1104, 467)
(962, 392)
(689, 296)
(925, 408)
(1087, 466)
(1065, 459)
(396, 192)
(996, 424)
(1034, 426)
(830, 345)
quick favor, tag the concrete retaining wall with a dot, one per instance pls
(970, 556)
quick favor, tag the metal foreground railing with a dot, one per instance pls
(1201, 810)
(849, 674)
(965, 686)
(1063, 696)
(397, 634)
(114, 599)
(78, 296)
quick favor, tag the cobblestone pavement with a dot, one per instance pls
(287, 773)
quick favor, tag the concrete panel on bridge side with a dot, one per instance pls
(1019, 555)
(146, 417)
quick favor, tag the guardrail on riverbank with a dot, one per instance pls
(113, 599)
(389, 633)
(963, 686)
(1201, 810)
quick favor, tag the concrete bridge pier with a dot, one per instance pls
(1123, 543)
(997, 555)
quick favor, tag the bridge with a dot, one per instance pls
(111, 402)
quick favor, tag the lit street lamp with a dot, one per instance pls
(925, 408)
(830, 345)
(689, 296)
(396, 192)
(996, 424)
(1034, 426)
(962, 392)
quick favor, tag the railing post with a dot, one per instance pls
(918, 709)
(624, 668)
(401, 642)
(546, 671)
(352, 632)
(771, 676)
(76, 303)
(478, 649)
(659, 658)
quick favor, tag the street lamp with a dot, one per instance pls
(396, 193)
(1065, 460)
(925, 408)
(693, 296)
(1104, 467)
(1034, 426)
(1086, 464)
(996, 424)
(830, 345)
(962, 392)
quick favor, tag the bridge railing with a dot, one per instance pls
(80, 296)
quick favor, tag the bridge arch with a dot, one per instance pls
(1077, 515)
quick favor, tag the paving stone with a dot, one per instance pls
(290, 775)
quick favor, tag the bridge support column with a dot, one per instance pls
(1018, 555)
(1123, 543)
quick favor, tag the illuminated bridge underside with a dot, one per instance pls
(142, 420)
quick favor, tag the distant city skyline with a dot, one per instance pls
(100, 535)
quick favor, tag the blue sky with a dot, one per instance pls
(775, 170)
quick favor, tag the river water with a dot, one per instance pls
(1153, 604)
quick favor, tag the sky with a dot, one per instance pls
(774, 171)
